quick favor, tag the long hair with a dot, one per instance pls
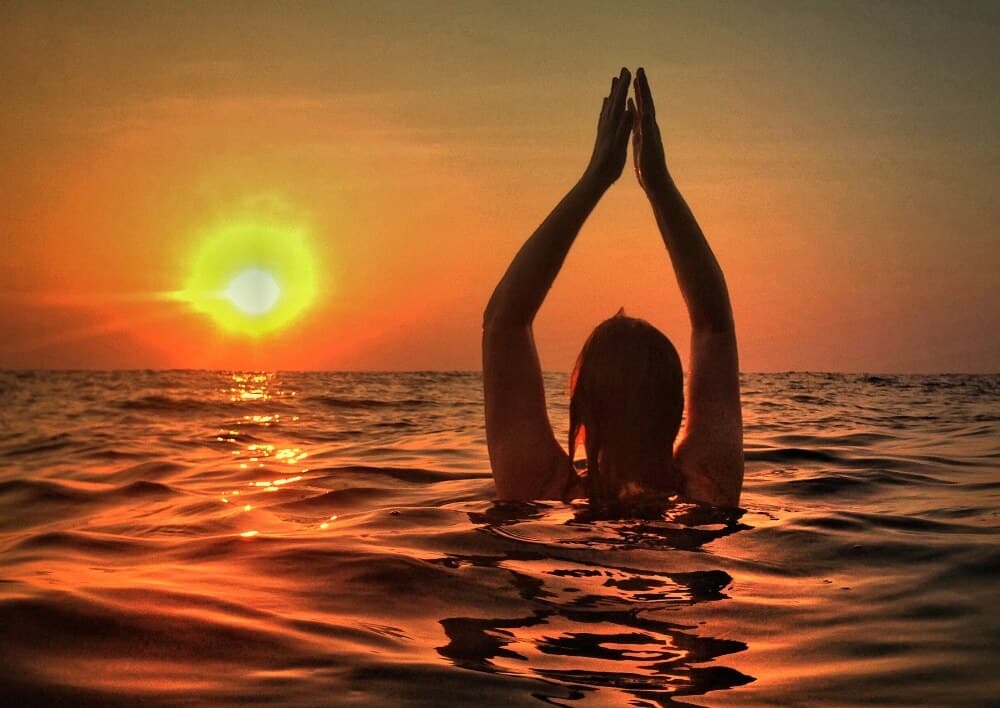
(626, 403)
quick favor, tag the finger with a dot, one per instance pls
(639, 103)
(633, 115)
(624, 128)
(620, 93)
(644, 94)
(622, 82)
(624, 79)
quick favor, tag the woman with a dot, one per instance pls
(627, 393)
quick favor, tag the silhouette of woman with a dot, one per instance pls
(627, 388)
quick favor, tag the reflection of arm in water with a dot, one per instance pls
(710, 451)
(527, 461)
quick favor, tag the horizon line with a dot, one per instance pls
(459, 371)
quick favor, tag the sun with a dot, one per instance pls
(254, 291)
(252, 277)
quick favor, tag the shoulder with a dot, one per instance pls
(710, 451)
(572, 486)
(543, 477)
(562, 483)
(710, 476)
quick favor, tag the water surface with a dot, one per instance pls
(315, 539)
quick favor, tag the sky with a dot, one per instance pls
(842, 159)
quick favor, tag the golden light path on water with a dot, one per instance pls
(262, 457)
(256, 387)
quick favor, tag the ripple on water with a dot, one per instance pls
(304, 538)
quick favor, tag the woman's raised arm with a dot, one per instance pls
(710, 451)
(527, 461)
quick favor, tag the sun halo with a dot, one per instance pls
(252, 278)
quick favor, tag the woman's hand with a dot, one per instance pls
(611, 148)
(647, 148)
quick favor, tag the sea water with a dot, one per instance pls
(187, 537)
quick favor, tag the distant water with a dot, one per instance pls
(314, 539)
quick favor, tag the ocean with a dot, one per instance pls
(200, 537)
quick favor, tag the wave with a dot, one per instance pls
(865, 480)
(345, 402)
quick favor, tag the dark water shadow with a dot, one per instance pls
(594, 627)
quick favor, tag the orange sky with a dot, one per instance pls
(842, 160)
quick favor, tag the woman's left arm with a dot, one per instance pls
(527, 461)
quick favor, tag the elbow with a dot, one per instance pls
(493, 309)
(489, 316)
(710, 309)
(720, 322)
(496, 317)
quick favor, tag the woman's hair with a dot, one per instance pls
(626, 402)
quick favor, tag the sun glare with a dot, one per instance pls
(252, 278)
(254, 291)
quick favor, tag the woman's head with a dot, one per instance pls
(626, 403)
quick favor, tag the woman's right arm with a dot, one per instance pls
(710, 451)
